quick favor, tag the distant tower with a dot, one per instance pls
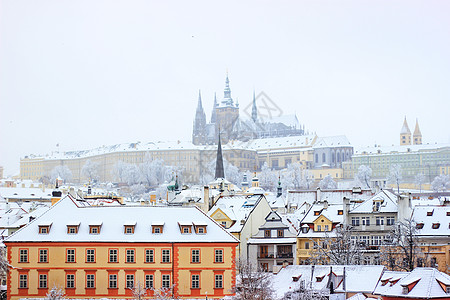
(279, 188)
(405, 134)
(213, 114)
(417, 135)
(254, 110)
(227, 113)
(220, 173)
(199, 130)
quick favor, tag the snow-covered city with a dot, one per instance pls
(144, 156)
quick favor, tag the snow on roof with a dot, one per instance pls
(25, 193)
(73, 223)
(283, 281)
(129, 223)
(332, 142)
(157, 223)
(384, 150)
(439, 215)
(388, 203)
(112, 219)
(284, 240)
(331, 213)
(304, 141)
(427, 287)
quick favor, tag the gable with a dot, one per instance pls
(219, 215)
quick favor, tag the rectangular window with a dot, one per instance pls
(149, 255)
(218, 281)
(166, 281)
(42, 281)
(218, 255)
(148, 281)
(23, 281)
(267, 233)
(165, 256)
(70, 281)
(280, 233)
(43, 255)
(326, 228)
(90, 255)
(306, 245)
(390, 220)
(355, 221)
(113, 281)
(196, 256)
(70, 255)
(319, 228)
(379, 221)
(113, 255)
(23, 256)
(130, 256)
(130, 281)
(90, 281)
(195, 282)
(365, 221)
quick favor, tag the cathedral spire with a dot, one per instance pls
(213, 114)
(220, 173)
(199, 104)
(254, 110)
(227, 100)
(417, 135)
(199, 130)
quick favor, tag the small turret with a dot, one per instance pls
(279, 188)
(405, 134)
(417, 135)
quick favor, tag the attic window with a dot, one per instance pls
(200, 228)
(435, 225)
(319, 279)
(419, 225)
(296, 278)
(317, 212)
(72, 228)
(430, 212)
(157, 227)
(444, 285)
(448, 214)
(394, 281)
(94, 229)
(409, 285)
(340, 212)
(44, 228)
(129, 229)
(385, 281)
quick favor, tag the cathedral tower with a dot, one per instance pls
(199, 130)
(227, 113)
(405, 134)
(417, 135)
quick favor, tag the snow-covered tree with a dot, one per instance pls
(4, 265)
(90, 170)
(55, 293)
(153, 172)
(132, 174)
(307, 180)
(327, 183)
(267, 178)
(232, 173)
(395, 175)
(119, 171)
(364, 174)
(337, 248)
(420, 179)
(441, 183)
(172, 172)
(292, 177)
(139, 291)
(62, 172)
(136, 191)
(164, 293)
(252, 282)
(161, 192)
(400, 248)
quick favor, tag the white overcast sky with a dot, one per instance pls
(83, 74)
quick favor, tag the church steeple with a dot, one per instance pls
(213, 114)
(199, 130)
(220, 172)
(405, 134)
(254, 109)
(417, 135)
(227, 100)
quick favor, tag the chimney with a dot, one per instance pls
(325, 204)
(206, 202)
(318, 195)
(56, 195)
(346, 210)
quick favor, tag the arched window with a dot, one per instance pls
(324, 157)
(317, 158)
(338, 157)
(332, 157)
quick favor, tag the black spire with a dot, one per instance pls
(254, 110)
(220, 173)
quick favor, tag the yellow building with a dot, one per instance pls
(102, 252)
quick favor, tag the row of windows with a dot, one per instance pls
(268, 233)
(378, 221)
(130, 255)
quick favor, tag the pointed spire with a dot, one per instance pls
(405, 128)
(199, 104)
(227, 101)
(417, 129)
(220, 173)
(213, 114)
(254, 109)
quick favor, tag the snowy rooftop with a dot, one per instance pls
(398, 148)
(424, 283)
(282, 142)
(112, 219)
(435, 220)
(332, 142)
(25, 193)
(388, 203)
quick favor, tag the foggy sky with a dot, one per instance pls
(83, 74)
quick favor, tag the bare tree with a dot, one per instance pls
(55, 293)
(441, 183)
(420, 179)
(252, 282)
(400, 248)
(164, 293)
(364, 174)
(90, 170)
(395, 175)
(62, 172)
(139, 291)
(337, 248)
(327, 183)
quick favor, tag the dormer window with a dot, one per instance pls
(448, 214)
(72, 227)
(409, 285)
(185, 227)
(317, 212)
(444, 285)
(319, 279)
(44, 228)
(200, 228)
(94, 227)
(419, 225)
(305, 229)
(340, 212)
(435, 225)
(157, 227)
(430, 213)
